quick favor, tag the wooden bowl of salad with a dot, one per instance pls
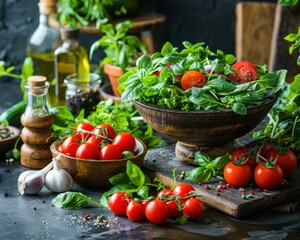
(96, 173)
(202, 99)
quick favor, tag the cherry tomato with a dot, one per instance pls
(105, 129)
(118, 202)
(191, 79)
(85, 126)
(174, 209)
(245, 72)
(268, 177)
(70, 145)
(245, 153)
(193, 208)
(287, 160)
(165, 191)
(157, 211)
(135, 211)
(110, 152)
(237, 175)
(87, 151)
(183, 189)
(125, 141)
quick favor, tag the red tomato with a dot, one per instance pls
(237, 175)
(118, 202)
(110, 152)
(287, 160)
(135, 211)
(174, 209)
(245, 72)
(125, 141)
(87, 151)
(95, 140)
(247, 154)
(166, 191)
(193, 208)
(183, 189)
(70, 145)
(106, 130)
(268, 177)
(85, 126)
(157, 212)
(192, 79)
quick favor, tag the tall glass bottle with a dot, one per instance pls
(70, 58)
(42, 43)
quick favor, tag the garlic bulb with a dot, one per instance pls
(32, 181)
(58, 180)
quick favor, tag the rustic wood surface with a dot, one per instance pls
(160, 162)
(254, 27)
(287, 20)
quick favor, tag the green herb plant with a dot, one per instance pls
(145, 85)
(121, 49)
(82, 12)
(208, 167)
(284, 117)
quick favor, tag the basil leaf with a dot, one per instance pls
(220, 162)
(121, 178)
(202, 159)
(239, 108)
(71, 200)
(166, 49)
(135, 174)
(143, 192)
(199, 175)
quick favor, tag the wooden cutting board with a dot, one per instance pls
(160, 162)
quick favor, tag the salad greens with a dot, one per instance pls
(144, 84)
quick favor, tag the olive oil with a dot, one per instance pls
(44, 66)
(41, 45)
(70, 58)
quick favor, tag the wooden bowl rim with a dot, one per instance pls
(16, 133)
(138, 141)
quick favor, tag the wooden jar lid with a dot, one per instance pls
(34, 82)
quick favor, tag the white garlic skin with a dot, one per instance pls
(30, 182)
(58, 181)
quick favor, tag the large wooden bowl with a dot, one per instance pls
(211, 131)
(8, 143)
(95, 173)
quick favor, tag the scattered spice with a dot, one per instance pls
(5, 132)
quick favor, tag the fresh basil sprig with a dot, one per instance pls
(208, 167)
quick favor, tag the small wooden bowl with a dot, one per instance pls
(8, 143)
(95, 173)
(211, 131)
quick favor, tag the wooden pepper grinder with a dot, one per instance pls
(37, 121)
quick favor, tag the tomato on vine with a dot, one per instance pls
(237, 174)
(269, 175)
(245, 153)
(118, 202)
(125, 141)
(87, 151)
(193, 208)
(157, 211)
(183, 189)
(135, 211)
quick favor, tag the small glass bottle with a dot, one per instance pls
(82, 94)
(42, 43)
(70, 58)
(37, 121)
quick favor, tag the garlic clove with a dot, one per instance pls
(30, 182)
(58, 180)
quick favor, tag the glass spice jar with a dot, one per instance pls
(82, 94)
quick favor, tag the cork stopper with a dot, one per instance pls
(36, 84)
(68, 33)
(48, 6)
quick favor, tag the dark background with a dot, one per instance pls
(209, 21)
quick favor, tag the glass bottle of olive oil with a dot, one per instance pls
(41, 46)
(70, 58)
